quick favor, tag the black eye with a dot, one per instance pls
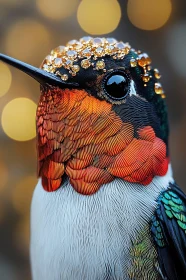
(117, 85)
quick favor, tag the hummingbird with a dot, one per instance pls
(106, 205)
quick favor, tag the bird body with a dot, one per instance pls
(95, 237)
(106, 205)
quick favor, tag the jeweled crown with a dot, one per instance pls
(90, 52)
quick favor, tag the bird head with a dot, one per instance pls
(101, 115)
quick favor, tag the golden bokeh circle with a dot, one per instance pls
(99, 16)
(5, 78)
(27, 40)
(149, 15)
(18, 119)
(57, 9)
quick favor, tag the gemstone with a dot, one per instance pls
(68, 63)
(110, 50)
(97, 41)
(157, 74)
(149, 67)
(144, 60)
(100, 64)
(85, 39)
(145, 78)
(99, 51)
(85, 63)
(78, 46)
(45, 67)
(75, 68)
(158, 88)
(72, 54)
(111, 41)
(72, 43)
(120, 46)
(59, 50)
(64, 77)
(49, 59)
(58, 62)
(87, 52)
(133, 62)
(126, 49)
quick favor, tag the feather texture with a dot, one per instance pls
(75, 237)
(169, 232)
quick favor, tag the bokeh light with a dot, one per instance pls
(149, 15)
(18, 119)
(5, 78)
(4, 175)
(28, 40)
(22, 194)
(57, 9)
(99, 16)
(176, 42)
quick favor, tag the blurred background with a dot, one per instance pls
(29, 29)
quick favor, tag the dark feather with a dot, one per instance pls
(169, 233)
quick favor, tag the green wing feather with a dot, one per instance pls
(169, 232)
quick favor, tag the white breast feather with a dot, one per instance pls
(82, 237)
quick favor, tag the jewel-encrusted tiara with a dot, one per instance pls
(90, 52)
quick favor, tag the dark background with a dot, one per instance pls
(29, 34)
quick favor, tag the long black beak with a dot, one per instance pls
(39, 75)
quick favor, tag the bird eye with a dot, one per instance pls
(117, 85)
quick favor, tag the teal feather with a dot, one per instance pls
(174, 209)
(168, 229)
(169, 214)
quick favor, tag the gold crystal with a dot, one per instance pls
(120, 46)
(45, 67)
(100, 64)
(85, 63)
(72, 54)
(144, 60)
(75, 68)
(78, 46)
(64, 77)
(68, 63)
(97, 41)
(59, 50)
(157, 74)
(111, 41)
(158, 88)
(87, 53)
(85, 39)
(126, 49)
(77, 54)
(146, 78)
(133, 62)
(58, 62)
(109, 50)
(49, 59)
(149, 67)
(99, 52)
(72, 43)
